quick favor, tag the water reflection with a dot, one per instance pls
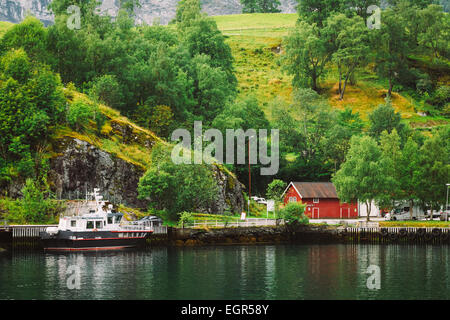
(231, 272)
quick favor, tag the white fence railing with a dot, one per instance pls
(32, 231)
(252, 222)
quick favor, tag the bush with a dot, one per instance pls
(80, 113)
(293, 213)
(106, 89)
(440, 98)
(35, 201)
(185, 219)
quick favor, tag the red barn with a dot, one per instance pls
(321, 200)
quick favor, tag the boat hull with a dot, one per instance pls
(91, 241)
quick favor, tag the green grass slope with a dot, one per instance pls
(256, 41)
(4, 26)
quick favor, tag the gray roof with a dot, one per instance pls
(316, 190)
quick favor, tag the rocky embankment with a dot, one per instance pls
(250, 235)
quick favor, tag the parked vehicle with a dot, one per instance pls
(445, 214)
(403, 213)
(259, 200)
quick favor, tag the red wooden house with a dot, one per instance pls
(321, 200)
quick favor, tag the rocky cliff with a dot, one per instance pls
(163, 10)
(80, 166)
(16, 10)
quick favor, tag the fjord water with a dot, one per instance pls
(231, 272)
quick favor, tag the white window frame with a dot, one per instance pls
(315, 200)
(292, 199)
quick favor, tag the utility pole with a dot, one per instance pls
(446, 203)
(249, 177)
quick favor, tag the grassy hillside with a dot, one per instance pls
(4, 26)
(118, 136)
(256, 43)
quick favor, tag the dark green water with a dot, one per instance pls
(231, 272)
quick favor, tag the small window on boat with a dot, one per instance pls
(98, 224)
(118, 219)
(110, 220)
(90, 225)
(73, 223)
(91, 211)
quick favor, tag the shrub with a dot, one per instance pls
(293, 213)
(35, 201)
(441, 97)
(80, 113)
(185, 218)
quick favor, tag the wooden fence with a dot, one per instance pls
(396, 235)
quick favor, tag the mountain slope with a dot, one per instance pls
(164, 10)
(256, 41)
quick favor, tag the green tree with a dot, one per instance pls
(336, 142)
(260, 6)
(352, 46)
(408, 168)
(275, 191)
(390, 44)
(391, 153)
(30, 35)
(79, 114)
(318, 11)
(203, 37)
(307, 53)
(106, 89)
(364, 176)
(435, 30)
(161, 120)
(384, 118)
(361, 6)
(434, 167)
(32, 102)
(172, 189)
(293, 214)
(187, 12)
(36, 202)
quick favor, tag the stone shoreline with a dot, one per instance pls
(247, 235)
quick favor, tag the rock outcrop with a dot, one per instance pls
(150, 10)
(16, 10)
(80, 166)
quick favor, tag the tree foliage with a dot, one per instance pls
(172, 189)
(260, 6)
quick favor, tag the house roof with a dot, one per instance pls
(315, 190)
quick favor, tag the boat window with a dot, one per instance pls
(73, 223)
(110, 220)
(90, 225)
(98, 224)
(91, 211)
(118, 219)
